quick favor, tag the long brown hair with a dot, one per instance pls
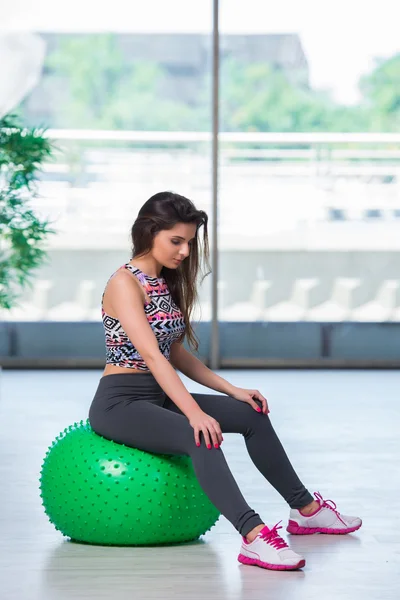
(163, 211)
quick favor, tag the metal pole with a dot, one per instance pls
(214, 349)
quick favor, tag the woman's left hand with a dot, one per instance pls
(248, 396)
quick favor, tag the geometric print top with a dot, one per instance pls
(165, 318)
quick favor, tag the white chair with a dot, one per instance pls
(384, 306)
(305, 295)
(345, 297)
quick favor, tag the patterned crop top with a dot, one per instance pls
(165, 318)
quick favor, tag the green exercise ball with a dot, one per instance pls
(100, 492)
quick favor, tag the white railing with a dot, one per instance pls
(322, 154)
(232, 137)
(292, 181)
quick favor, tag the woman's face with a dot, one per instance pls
(173, 245)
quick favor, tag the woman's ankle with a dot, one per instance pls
(311, 508)
(254, 532)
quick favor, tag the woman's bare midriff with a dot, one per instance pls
(115, 369)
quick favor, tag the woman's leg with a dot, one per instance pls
(153, 428)
(263, 444)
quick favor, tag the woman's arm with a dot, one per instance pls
(193, 368)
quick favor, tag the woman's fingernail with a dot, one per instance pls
(258, 409)
(197, 445)
(216, 446)
(208, 446)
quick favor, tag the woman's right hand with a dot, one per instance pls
(201, 422)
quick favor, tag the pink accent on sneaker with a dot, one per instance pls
(271, 537)
(246, 560)
(323, 502)
(297, 530)
(265, 531)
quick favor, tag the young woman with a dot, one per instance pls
(141, 401)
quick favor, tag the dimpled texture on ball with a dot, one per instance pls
(100, 492)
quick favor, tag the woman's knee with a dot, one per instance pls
(255, 421)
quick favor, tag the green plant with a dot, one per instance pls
(22, 233)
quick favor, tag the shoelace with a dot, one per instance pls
(273, 538)
(326, 505)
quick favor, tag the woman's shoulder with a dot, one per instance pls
(126, 276)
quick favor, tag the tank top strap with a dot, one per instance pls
(153, 286)
(147, 282)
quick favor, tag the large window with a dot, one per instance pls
(309, 181)
(129, 110)
(309, 161)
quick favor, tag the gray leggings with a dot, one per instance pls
(132, 409)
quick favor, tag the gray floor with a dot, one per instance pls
(341, 430)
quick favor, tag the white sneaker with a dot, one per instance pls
(270, 551)
(325, 520)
